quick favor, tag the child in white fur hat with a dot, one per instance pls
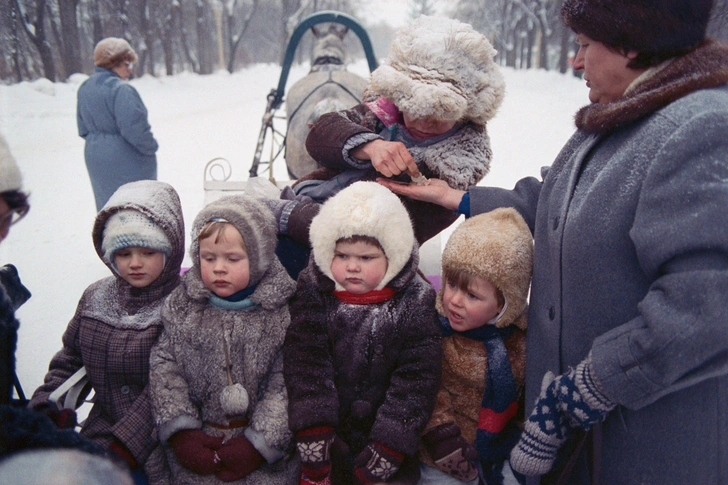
(362, 355)
(139, 234)
(424, 115)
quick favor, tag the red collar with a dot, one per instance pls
(376, 296)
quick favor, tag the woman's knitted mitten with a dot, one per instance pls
(451, 453)
(571, 400)
(376, 463)
(313, 446)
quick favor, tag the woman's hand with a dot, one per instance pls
(389, 158)
(437, 192)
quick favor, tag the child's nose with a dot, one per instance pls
(136, 261)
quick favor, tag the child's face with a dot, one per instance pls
(139, 266)
(427, 127)
(358, 266)
(224, 264)
(473, 308)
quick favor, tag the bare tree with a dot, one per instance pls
(70, 41)
(236, 29)
(35, 28)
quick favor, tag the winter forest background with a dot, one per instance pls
(55, 38)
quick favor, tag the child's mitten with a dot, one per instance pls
(571, 400)
(451, 452)
(376, 463)
(62, 418)
(313, 446)
(239, 459)
(197, 451)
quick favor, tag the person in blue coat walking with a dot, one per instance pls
(112, 118)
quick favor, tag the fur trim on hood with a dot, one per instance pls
(363, 209)
(441, 68)
(497, 246)
(254, 222)
(705, 67)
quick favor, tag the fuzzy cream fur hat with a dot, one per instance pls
(441, 68)
(363, 209)
(497, 246)
(10, 178)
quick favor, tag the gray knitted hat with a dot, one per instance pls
(132, 229)
(10, 178)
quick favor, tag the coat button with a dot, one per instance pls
(552, 313)
(124, 389)
(556, 223)
(378, 349)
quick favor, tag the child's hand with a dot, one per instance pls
(196, 451)
(451, 452)
(239, 459)
(437, 192)
(389, 158)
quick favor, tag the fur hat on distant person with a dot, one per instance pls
(656, 29)
(363, 209)
(496, 246)
(112, 51)
(441, 68)
(10, 178)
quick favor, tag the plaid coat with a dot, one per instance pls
(112, 334)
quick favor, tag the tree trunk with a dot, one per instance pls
(71, 48)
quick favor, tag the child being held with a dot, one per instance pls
(362, 356)
(424, 114)
(139, 234)
(486, 265)
(217, 371)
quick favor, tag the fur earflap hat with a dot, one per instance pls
(441, 68)
(656, 29)
(363, 209)
(112, 51)
(255, 223)
(10, 178)
(498, 247)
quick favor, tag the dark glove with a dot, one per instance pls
(376, 463)
(313, 446)
(197, 451)
(15, 292)
(120, 450)
(63, 418)
(571, 400)
(239, 459)
(451, 453)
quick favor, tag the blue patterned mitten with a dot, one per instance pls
(571, 400)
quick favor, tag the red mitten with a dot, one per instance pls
(239, 459)
(376, 463)
(119, 449)
(63, 419)
(196, 451)
(313, 446)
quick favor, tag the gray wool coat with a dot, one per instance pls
(112, 334)
(120, 147)
(371, 371)
(631, 263)
(189, 364)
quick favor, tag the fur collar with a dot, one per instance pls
(705, 67)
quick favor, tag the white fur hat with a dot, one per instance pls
(132, 229)
(363, 209)
(10, 178)
(441, 68)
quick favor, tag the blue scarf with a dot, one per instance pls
(497, 432)
(236, 301)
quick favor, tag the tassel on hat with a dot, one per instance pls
(233, 397)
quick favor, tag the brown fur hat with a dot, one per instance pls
(498, 247)
(656, 29)
(112, 51)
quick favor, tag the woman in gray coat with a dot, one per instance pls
(112, 118)
(628, 309)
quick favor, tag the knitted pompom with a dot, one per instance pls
(234, 399)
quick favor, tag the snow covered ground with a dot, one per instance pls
(194, 118)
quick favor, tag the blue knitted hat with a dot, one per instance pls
(129, 229)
